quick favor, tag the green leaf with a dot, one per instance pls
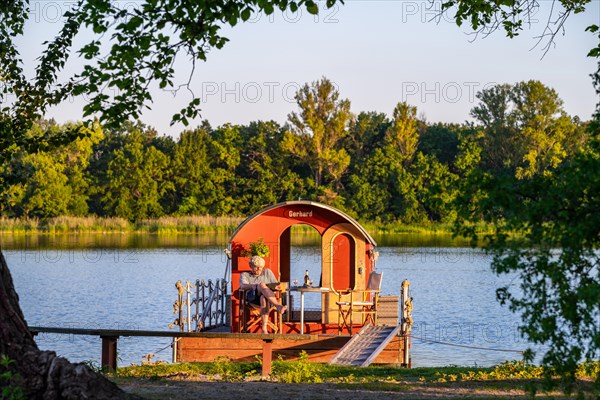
(268, 8)
(594, 52)
(99, 28)
(592, 28)
(135, 22)
(246, 14)
(232, 19)
(312, 7)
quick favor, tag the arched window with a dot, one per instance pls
(300, 250)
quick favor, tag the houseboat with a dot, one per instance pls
(355, 324)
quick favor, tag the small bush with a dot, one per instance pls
(301, 371)
(227, 370)
(9, 381)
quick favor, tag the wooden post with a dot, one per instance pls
(407, 321)
(109, 352)
(174, 358)
(267, 357)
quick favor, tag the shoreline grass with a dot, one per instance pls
(501, 380)
(193, 224)
(163, 225)
(226, 369)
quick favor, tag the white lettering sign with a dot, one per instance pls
(302, 214)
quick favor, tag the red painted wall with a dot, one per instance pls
(273, 226)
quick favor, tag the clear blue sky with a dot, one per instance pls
(377, 52)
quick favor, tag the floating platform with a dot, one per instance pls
(349, 299)
(319, 348)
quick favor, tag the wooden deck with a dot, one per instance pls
(110, 337)
(321, 341)
(207, 346)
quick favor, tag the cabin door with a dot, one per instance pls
(343, 262)
(341, 251)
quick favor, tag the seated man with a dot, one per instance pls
(258, 280)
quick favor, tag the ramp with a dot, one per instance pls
(365, 346)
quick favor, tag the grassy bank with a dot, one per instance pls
(163, 225)
(184, 225)
(511, 380)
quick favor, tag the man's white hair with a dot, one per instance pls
(257, 261)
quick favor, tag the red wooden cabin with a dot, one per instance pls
(347, 255)
(347, 260)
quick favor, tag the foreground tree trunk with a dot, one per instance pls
(41, 374)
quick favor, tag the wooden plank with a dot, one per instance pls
(282, 341)
(327, 342)
(320, 350)
(387, 311)
(383, 344)
(125, 332)
(392, 354)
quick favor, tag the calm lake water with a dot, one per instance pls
(74, 283)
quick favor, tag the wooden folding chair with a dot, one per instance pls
(362, 302)
(250, 318)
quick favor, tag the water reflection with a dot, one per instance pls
(111, 241)
(204, 240)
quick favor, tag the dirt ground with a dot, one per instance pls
(186, 389)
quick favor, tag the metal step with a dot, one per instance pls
(365, 346)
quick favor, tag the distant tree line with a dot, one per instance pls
(375, 167)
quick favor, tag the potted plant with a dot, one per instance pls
(258, 248)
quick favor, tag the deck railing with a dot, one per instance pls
(210, 305)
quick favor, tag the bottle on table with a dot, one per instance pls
(307, 281)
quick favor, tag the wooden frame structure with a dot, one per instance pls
(348, 257)
(347, 254)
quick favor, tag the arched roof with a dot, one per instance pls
(329, 208)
